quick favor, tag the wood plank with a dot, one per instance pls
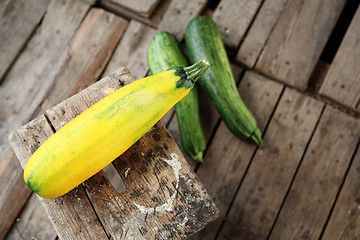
(345, 219)
(319, 177)
(228, 157)
(272, 168)
(94, 41)
(33, 223)
(143, 8)
(259, 32)
(233, 18)
(179, 14)
(35, 71)
(342, 82)
(153, 20)
(298, 39)
(25, 141)
(208, 113)
(132, 50)
(89, 52)
(18, 20)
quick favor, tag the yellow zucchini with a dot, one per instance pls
(104, 131)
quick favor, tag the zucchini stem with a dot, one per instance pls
(195, 71)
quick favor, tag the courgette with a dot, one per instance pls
(165, 52)
(104, 131)
(203, 41)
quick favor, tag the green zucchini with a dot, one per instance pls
(165, 52)
(203, 41)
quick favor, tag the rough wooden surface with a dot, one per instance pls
(34, 72)
(295, 44)
(228, 157)
(345, 219)
(18, 20)
(144, 8)
(259, 32)
(79, 73)
(313, 193)
(33, 222)
(272, 168)
(342, 82)
(132, 50)
(233, 18)
(178, 15)
(153, 20)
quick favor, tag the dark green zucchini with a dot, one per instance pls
(203, 41)
(164, 52)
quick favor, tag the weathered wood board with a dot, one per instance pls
(89, 51)
(296, 43)
(132, 50)
(228, 156)
(143, 8)
(34, 71)
(94, 41)
(272, 167)
(233, 18)
(318, 180)
(32, 223)
(259, 32)
(18, 20)
(167, 198)
(345, 218)
(24, 142)
(342, 82)
(178, 15)
(153, 20)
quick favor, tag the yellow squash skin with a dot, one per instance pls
(100, 134)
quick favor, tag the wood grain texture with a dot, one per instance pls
(32, 223)
(233, 18)
(132, 50)
(143, 8)
(178, 15)
(259, 32)
(88, 54)
(163, 198)
(25, 141)
(345, 218)
(342, 82)
(34, 72)
(319, 177)
(90, 49)
(272, 168)
(227, 157)
(18, 20)
(296, 43)
(153, 20)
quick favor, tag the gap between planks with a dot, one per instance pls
(296, 171)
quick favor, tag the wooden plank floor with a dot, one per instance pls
(297, 67)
